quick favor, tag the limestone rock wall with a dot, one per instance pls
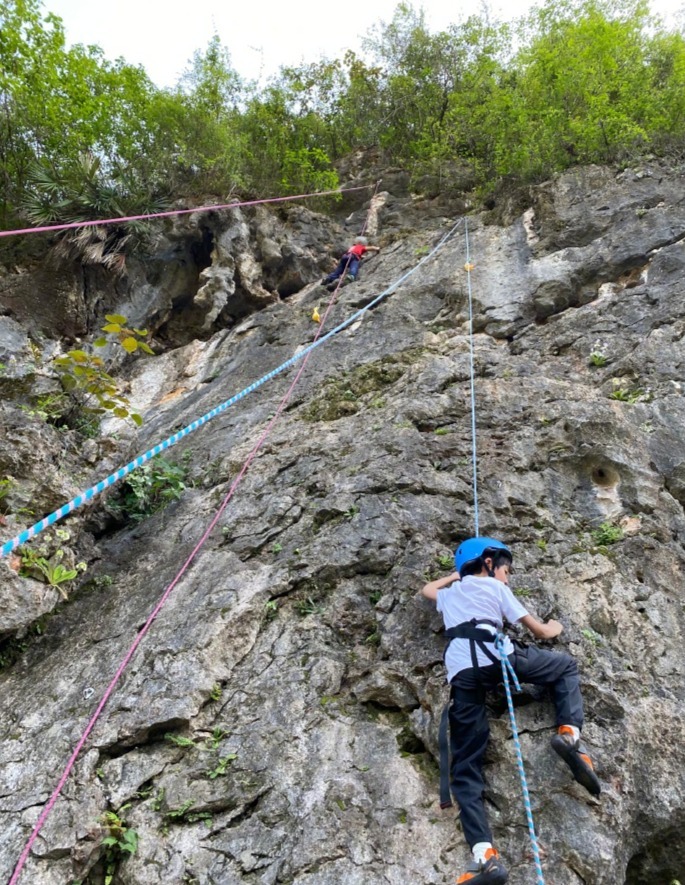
(278, 724)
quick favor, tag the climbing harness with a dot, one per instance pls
(477, 638)
(318, 339)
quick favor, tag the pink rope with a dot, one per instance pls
(143, 632)
(75, 224)
(122, 666)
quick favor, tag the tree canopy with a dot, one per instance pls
(575, 81)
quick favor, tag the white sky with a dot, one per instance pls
(162, 35)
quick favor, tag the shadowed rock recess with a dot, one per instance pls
(278, 724)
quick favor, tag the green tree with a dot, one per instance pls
(664, 113)
(434, 86)
(360, 120)
(31, 51)
(481, 99)
(582, 77)
(575, 81)
(205, 119)
(591, 81)
(287, 141)
(214, 86)
(56, 103)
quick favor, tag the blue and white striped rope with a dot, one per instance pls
(99, 487)
(508, 673)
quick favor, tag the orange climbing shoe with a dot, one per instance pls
(576, 757)
(492, 872)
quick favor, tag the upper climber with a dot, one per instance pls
(350, 261)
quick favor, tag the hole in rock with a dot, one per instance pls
(605, 476)
(410, 743)
(661, 860)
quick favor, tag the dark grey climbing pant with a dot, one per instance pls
(350, 263)
(469, 729)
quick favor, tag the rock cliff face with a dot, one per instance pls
(278, 723)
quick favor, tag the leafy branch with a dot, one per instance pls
(91, 391)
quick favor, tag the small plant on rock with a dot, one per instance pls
(307, 606)
(222, 766)
(121, 841)
(373, 638)
(629, 395)
(150, 488)
(271, 609)
(446, 561)
(598, 356)
(44, 562)
(624, 395)
(607, 534)
(179, 741)
(130, 339)
(181, 811)
(592, 636)
(218, 734)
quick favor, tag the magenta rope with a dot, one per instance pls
(129, 654)
(170, 212)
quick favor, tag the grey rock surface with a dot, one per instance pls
(278, 722)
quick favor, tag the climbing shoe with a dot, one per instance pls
(491, 872)
(576, 757)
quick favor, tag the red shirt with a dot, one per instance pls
(358, 249)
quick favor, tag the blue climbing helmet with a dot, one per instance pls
(476, 548)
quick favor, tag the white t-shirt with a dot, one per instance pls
(483, 599)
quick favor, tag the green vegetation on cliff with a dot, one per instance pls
(577, 81)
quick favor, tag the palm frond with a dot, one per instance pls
(86, 191)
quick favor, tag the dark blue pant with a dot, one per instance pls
(348, 261)
(469, 729)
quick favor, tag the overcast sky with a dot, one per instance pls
(162, 35)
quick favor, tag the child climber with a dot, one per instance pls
(350, 262)
(474, 602)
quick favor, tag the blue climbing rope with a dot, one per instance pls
(99, 487)
(474, 447)
(508, 673)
